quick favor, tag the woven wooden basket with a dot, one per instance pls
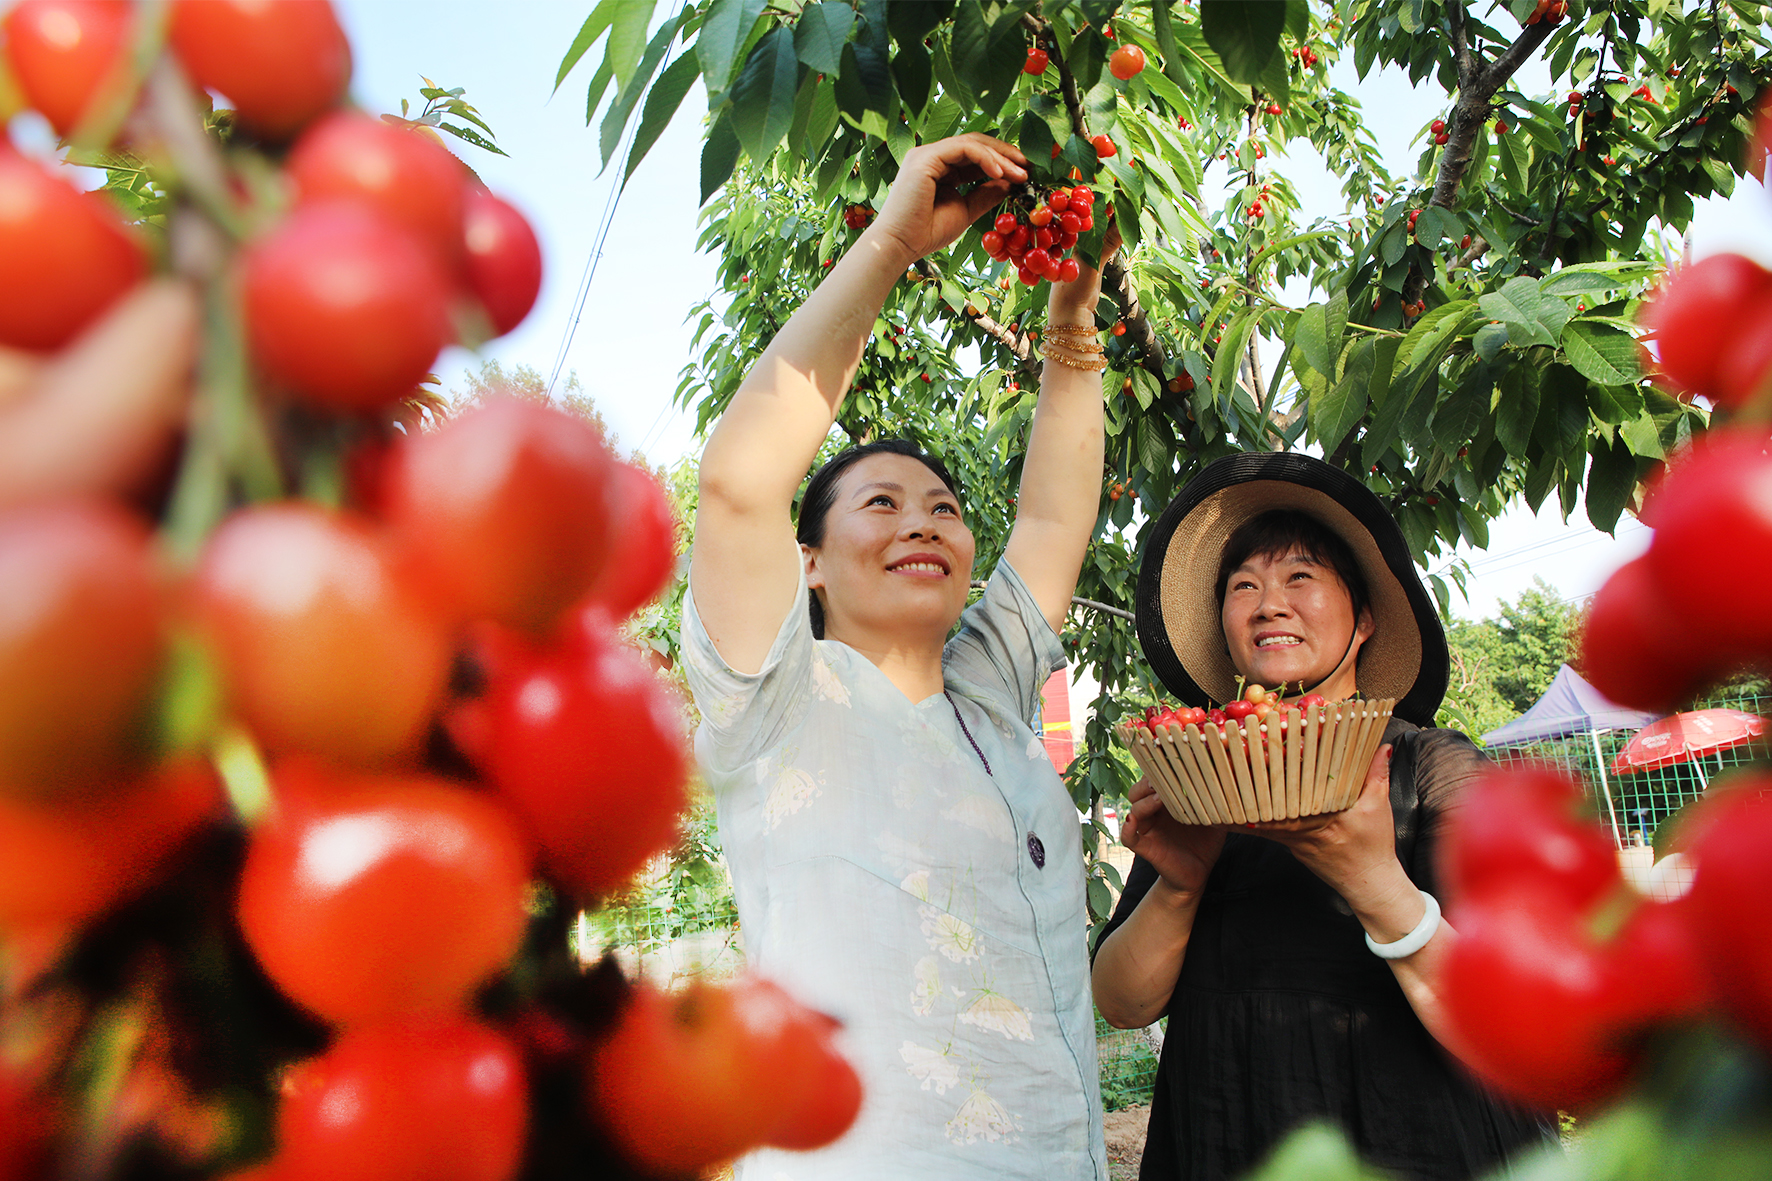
(1294, 764)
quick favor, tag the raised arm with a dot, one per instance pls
(1061, 476)
(745, 565)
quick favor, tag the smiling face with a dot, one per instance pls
(1289, 619)
(896, 558)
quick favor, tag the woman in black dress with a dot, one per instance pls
(1298, 961)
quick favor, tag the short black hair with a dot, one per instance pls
(1282, 531)
(821, 493)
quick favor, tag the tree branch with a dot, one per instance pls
(1019, 343)
(1471, 113)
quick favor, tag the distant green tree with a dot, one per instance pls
(1502, 665)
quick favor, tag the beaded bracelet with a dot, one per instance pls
(1093, 365)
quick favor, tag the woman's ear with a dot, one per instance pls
(809, 555)
(1364, 627)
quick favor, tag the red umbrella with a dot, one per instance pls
(1681, 737)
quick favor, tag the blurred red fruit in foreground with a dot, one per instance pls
(1528, 828)
(281, 64)
(503, 259)
(1732, 880)
(62, 53)
(506, 508)
(1537, 1007)
(755, 1067)
(371, 897)
(414, 183)
(323, 647)
(1696, 317)
(586, 745)
(1633, 647)
(443, 1099)
(345, 307)
(643, 551)
(80, 644)
(66, 861)
(64, 255)
(1715, 504)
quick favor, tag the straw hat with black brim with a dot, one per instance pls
(1177, 605)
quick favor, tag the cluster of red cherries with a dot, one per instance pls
(1037, 235)
(1257, 702)
(410, 703)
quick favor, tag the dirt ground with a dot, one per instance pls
(1125, 1141)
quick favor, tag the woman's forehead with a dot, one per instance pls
(889, 472)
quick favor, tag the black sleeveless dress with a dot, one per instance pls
(1282, 1015)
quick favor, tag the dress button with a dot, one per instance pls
(1036, 851)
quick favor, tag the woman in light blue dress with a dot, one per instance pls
(903, 853)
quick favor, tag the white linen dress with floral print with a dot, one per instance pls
(884, 876)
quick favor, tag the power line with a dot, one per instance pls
(608, 217)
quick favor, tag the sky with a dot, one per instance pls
(629, 340)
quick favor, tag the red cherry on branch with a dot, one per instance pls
(322, 643)
(65, 256)
(66, 53)
(572, 733)
(1125, 62)
(280, 65)
(414, 182)
(503, 259)
(1036, 61)
(506, 510)
(438, 1098)
(345, 275)
(366, 897)
(81, 644)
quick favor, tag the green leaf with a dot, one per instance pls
(988, 54)
(1394, 243)
(662, 103)
(724, 31)
(615, 120)
(719, 156)
(588, 33)
(1229, 358)
(1035, 140)
(1431, 329)
(1146, 389)
(1335, 413)
(1154, 454)
(1434, 226)
(1489, 341)
(627, 38)
(915, 77)
(1516, 411)
(1611, 478)
(594, 92)
(910, 23)
(471, 136)
(1531, 316)
(1166, 44)
(820, 33)
(1246, 36)
(1591, 277)
(1335, 320)
(1602, 354)
(1460, 414)
(864, 89)
(1311, 337)
(763, 96)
